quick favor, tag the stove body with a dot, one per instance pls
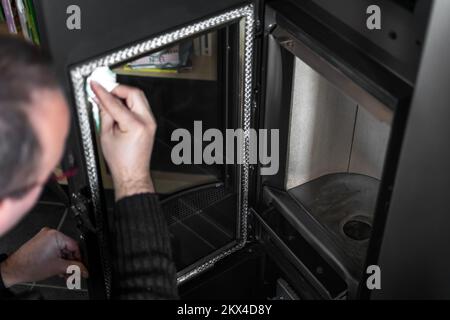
(339, 94)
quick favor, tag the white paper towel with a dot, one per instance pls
(108, 80)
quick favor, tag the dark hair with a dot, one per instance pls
(23, 69)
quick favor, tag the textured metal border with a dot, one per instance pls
(79, 74)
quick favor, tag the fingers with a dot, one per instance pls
(130, 94)
(113, 106)
(70, 255)
(135, 99)
(65, 264)
(68, 246)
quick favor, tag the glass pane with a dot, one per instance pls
(181, 85)
(187, 82)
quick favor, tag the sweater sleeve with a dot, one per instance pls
(142, 263)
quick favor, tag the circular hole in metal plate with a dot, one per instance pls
(357, 229)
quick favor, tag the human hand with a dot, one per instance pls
(47, 254)
(127, 136)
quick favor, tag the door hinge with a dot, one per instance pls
(80, 209)
(270, 28)
(259, 31)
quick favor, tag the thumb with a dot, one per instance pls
(67, 267)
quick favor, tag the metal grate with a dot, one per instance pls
(193, 203)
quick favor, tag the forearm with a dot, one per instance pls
(143, 267)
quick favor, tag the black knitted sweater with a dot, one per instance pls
(142, 260)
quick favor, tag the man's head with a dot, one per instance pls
(34, 123)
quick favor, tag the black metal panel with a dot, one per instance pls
(107, 25)
(397, 46)
(414, 256)
(298, 253)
